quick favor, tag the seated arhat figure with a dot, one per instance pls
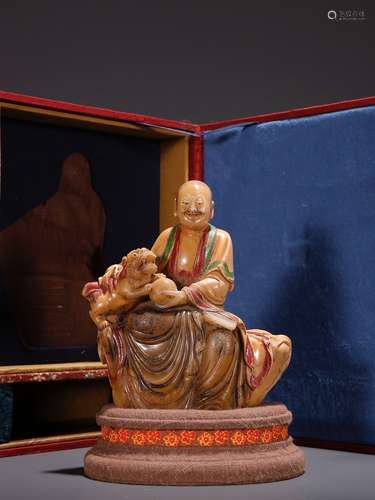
(179, 348)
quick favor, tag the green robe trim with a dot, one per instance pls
(210, 245)
(169, 246)
(227, 273)
(208, 252)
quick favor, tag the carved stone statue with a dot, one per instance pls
(175, 357)
(162, 327)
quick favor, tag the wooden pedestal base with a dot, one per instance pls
(194, 447)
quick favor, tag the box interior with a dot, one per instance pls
(52, 244)
(55, 408)
(63, 220)
(125, 175)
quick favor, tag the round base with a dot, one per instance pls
(194, 447)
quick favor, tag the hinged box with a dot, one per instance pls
(295, 190)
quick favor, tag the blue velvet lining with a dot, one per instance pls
(298, 197)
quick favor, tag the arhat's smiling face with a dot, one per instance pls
(194, 205)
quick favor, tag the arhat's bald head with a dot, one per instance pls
(194, 204)
(195, 187)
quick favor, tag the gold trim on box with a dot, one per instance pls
(87, 121)
(49, 440)
(50, 372)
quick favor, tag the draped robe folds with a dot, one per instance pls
(194, 356)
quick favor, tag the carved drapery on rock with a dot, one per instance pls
(171, 359)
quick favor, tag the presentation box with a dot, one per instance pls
(296, 191)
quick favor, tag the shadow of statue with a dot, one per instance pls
(46, 257)
(72, 471)
(329, 380)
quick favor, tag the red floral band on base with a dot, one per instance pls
(175, 438)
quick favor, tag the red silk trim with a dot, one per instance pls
(196, 158)
(184, 125)
(97, 111)
(292, 113)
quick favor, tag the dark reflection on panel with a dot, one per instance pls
(73, 202)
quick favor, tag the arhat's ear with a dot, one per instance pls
(212, 209)
(175, 206)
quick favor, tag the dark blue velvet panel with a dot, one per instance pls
(298, 197)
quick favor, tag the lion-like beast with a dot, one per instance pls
(136, 277)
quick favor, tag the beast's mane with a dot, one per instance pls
(135, 261)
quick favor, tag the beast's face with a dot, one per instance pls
(141, 264)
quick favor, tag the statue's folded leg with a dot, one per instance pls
(217, 377)
(281, 349)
